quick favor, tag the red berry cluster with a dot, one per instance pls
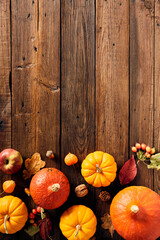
(148, 151)
(32, 215)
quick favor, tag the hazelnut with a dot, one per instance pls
(81, 190)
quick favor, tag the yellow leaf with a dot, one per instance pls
(33, 165)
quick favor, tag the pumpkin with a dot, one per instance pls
(78, 223)
(13, 214)
(49, 188)
(99, 169)
(9, 186)
(135, 213)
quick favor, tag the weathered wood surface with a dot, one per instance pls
(78, 76)
(112, 88)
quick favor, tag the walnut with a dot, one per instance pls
(81, 190)
(104, 196)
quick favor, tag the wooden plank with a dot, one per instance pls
(48, 88)
(112, 90)
(77, 90)
(24, 72)
(36, 77)
(157, 93)
(141, 80)
(5, 69)
(5, 88)
(48, 80)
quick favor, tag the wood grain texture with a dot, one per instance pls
(48, 87)
(5, 69)
(141, 80)
(5, 91)
(48, 79)
(77, 89)
(112, 89)
(157, 92)
(24, 72)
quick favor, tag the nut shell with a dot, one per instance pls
(81, 190)
(104, 196)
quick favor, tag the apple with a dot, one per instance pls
(10, 161)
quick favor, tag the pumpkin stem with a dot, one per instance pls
(98, 169)
(55, 187)
(134, 208)
(6, 217)
(78, 227)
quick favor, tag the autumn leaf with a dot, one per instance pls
(155, 161)
(128, 171)
(107, 223)
(33, 165)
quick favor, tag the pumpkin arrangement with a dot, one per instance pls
(134, 211)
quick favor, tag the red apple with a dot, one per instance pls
(10, 161)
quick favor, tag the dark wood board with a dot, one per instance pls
(79, 76)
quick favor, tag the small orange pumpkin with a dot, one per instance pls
(99, 169)
(13, 214)
(78, 223)
(9, 186)
(49, 188)
(135, 213)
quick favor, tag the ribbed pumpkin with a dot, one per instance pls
(99, 169)
(78, 223)
(13, 214)
(135, 213)
(49, 188)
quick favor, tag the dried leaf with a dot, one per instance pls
(32, 230)
(155, 161)
(33, 165)
(128, 171)
(107, 223)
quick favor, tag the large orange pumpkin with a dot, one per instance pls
(78, 223)
(99, 169)
(49, 188)
(13, 214)
(135, 213)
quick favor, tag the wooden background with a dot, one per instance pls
(79, 76)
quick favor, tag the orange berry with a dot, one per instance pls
(31, 221)
(134, 149)
(148, 149)
(35, 224)
(39, 209)
(148, 155)
(143, 146)
(70, 159)
(34, 211)
(31, 215)
(138, 145)
(152, 151)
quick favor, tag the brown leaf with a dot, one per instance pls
(107, 223)
(33, 165)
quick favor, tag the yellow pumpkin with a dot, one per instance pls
(13, 214)
(78, 223)
(99, 169)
